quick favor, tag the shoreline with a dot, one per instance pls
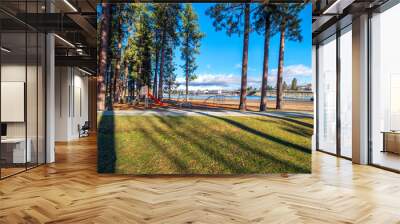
(254, 105)
(228, 104)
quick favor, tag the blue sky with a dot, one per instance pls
(220, 58)
(219, 62)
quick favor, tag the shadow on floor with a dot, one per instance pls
(106, 155)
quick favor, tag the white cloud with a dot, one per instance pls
(294, 70)
(239, 66)
(212, 81)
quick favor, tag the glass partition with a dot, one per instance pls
(385, 89)
(346, 92)
(22, 89)
(327, 95)
(13, 92)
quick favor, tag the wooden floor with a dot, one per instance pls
(387, 159)
(70, 191)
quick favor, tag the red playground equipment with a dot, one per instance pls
(157, 101)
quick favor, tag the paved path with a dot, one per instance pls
(200, 112)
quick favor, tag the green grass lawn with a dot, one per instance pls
(204, 145)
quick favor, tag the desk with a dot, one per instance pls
(15, 148)
(391, 141)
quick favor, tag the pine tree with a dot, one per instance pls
(145, 46)
(170, 68)
(116, 46)
(293, 86)
(139, 49)
(265, 24)
(103, 59)
(230, 16)
(131, 55)
(289, 28)
(284, 86)
(167, 21)
(191, 37)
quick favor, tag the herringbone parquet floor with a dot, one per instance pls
(70, 191)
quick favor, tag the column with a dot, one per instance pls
(360, 90)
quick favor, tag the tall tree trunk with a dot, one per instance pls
(109, 85)
(243, 88)
(169, 88)
(156, 73)
(279, 84)
(104, 38)
(117, 81)
(133, 89)
(264, 84)
(138, 82)
(160, 87)
(124, 83)
(129, 91)
(187, 79)
(114, 84)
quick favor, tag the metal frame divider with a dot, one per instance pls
(316, 97)
(369, 54)
(369, 78)
(338, 110)
(44, 79)
(338, 100)
(0, 91)
(26, 86)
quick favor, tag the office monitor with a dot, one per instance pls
(3, 130)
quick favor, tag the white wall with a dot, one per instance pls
(61, 103)
(71, 102)
(17, 73)
(33, 126)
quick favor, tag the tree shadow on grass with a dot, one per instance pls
(299, 132)
(206, 147)
(179, 129)
(212, 149)
(106, 155)
(259, 133)
(289, 119)
(289, 166)
(180, 164)
(291, 127)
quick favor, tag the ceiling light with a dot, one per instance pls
(337, 7)
(65, 41)
(86, 72)
(70, 5)
(5, 50)
(333, 6)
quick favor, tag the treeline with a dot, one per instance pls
(153, 31)
(136, 49)
(265, 19)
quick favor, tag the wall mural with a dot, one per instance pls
(204, 88)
